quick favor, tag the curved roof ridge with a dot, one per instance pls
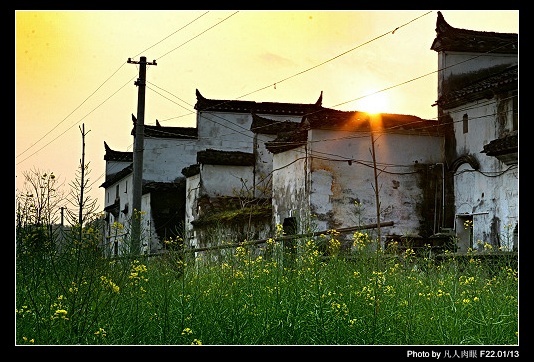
(449, 38)
(265, 125)
(242, 106)
(120, 156)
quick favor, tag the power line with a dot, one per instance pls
(74, 124)
(331, 59)
(392, 32)
(168, 36)
(101, 85)
(64, 119)
(196, 36)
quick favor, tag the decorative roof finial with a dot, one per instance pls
(320, 100)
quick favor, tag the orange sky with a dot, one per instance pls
(70, 69)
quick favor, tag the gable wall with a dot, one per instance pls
(264, 158)
(264, 165)
(290, 189)
(224, 131)
(192, 193)
(336, 186)
(453, 64)
(164, 159)
(112, 167)
(491, 194)
(226, 180)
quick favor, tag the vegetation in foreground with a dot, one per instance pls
(266, 295)
(310, 292)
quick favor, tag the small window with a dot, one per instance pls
(290, 226)
(117, 192)
(465, 120)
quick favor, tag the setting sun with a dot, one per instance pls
(374, 103)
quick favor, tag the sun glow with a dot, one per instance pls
(374, 103)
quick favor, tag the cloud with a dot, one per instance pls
(273, 59)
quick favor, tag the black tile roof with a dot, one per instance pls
(221, 105)
(218, 157)
(118, 156)
(360, 121)
(352, 121)
(111, 179)
(159, 186)
(231, 158)
(171, 132)
(502, 146)
(191, 170)
(287, 141)
(268, 126)
(159, 131)
(449, 38)
(504, 80)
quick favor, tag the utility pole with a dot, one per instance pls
(376, 187)
(138, 155)
(377, 197)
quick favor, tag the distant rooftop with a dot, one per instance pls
(449, 38)
(221, 105)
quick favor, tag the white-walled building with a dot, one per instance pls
(327, 169)
(224, 125)
(478, 109)
(162, 202)
(221, 205)
(324, 173)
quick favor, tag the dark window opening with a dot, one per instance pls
(465, 120)
(290, 244)
(290, 226)
(464, 232)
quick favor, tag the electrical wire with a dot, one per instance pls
(331, 59)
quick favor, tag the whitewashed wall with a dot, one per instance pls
(192, 192)
(264, 166)
(451, 63)
(224, 131)
(336, 185)
(164, 158)
(225, 180)
(264, 158)
(290, 198)
(492, 195)
(489, 198)
(112, 167)
(114, 231)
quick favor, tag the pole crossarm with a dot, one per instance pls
(138, 155)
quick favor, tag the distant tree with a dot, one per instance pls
(84, 208)
(37, 209)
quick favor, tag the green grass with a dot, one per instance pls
(264, 295)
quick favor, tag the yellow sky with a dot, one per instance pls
(70, 69)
